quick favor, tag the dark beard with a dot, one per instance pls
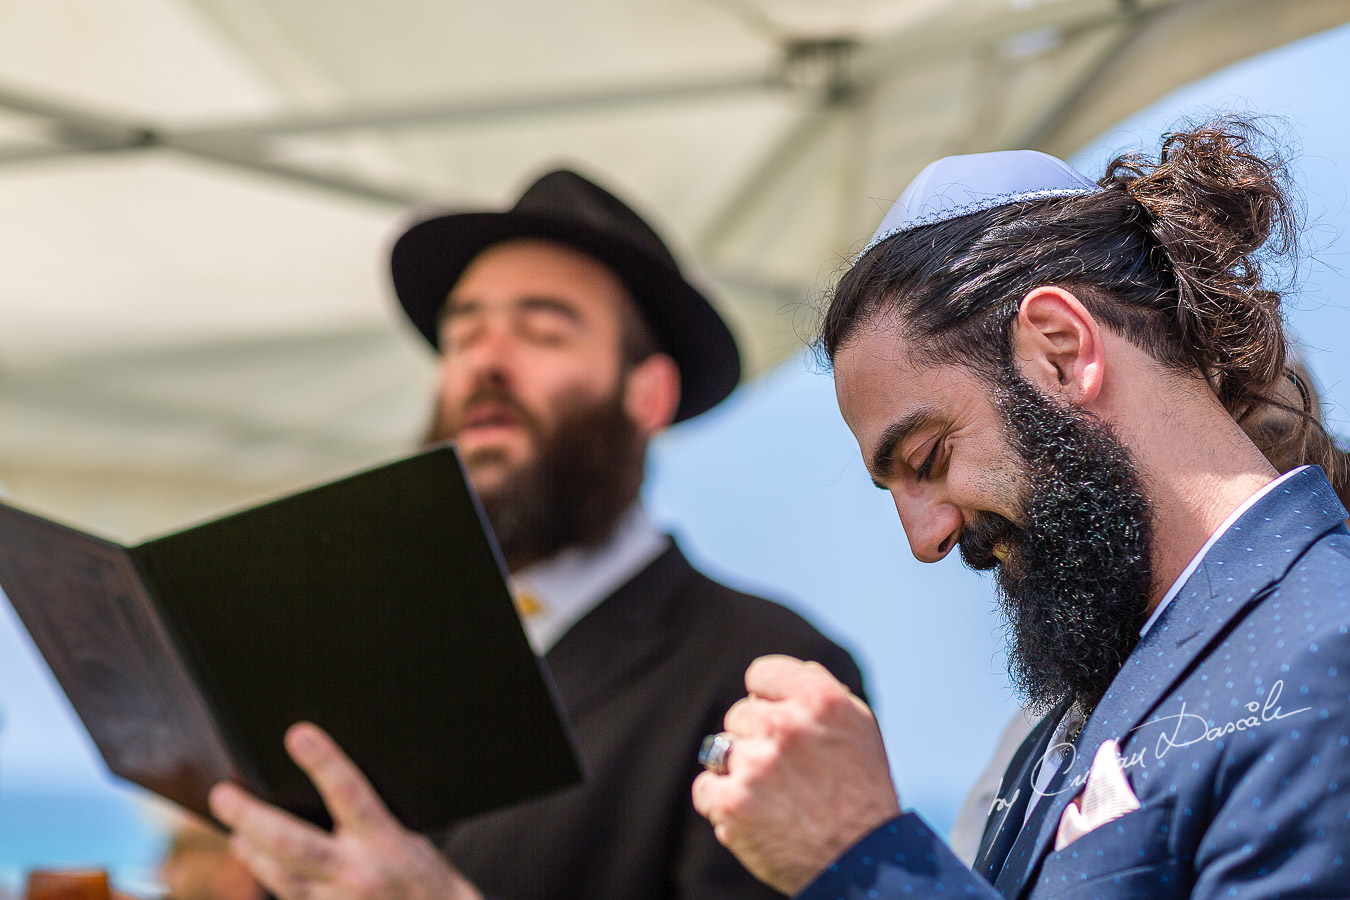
(1077, 578)
(586, 471)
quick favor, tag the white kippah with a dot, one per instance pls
(956, 186)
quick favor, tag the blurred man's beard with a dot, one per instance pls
(585, 473)
(1075, 581)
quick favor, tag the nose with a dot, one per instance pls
(488, 359)
(932, 525)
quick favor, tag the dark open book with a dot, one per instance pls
(374, 606)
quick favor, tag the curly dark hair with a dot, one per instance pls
(1169, 255)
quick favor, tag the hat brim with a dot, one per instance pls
(430, 257)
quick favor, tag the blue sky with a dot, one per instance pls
(768, 493)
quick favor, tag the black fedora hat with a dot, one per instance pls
(564, 207)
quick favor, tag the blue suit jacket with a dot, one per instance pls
(1234, 718)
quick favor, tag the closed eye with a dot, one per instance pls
(926, 466)
(881, 460)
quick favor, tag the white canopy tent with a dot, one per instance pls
(198, 195)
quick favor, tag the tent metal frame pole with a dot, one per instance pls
(81, 132)
(1054, 115)
(911, 48)
(446, 113)
(77, 119)
(76, 133)
(260, 163)
(870, 63)
(21, 154)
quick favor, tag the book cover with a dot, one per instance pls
(375, 606)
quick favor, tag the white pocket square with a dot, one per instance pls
(1106, 796)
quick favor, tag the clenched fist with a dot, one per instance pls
(807, 775)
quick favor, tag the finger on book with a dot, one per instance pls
(346, 792)
(298, 845)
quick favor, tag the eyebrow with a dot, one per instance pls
(457, 306)
(893, 436)
(552, 304)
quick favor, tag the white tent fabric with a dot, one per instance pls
(198, 195)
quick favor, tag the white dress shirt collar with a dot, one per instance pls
(574, 581)
(1194, 564)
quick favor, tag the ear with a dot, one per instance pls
(652, 393)
(1057, 346)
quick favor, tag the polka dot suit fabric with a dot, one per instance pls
(1233, 716)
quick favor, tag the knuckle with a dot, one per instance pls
(311, 854)
(762, 669)
(289, 886)
(287, 845)
(703, 792)
(733, 804)
(780, 727)
(347, 793)
(736, 711)
(316, 855)
(826, 700)
(860, 708)
(758, 759)
(816, 670)
(302, 888)
(727, 833)
(363, 883)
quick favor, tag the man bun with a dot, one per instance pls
(1215, 207)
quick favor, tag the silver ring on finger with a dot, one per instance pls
(713, 753)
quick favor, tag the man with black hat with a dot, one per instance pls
(568, 338)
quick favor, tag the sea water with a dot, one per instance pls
(55, 829)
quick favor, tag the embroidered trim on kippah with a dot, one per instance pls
(990, 202)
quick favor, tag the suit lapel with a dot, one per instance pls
(1254, 554)
(630, 626)
(1014, 793)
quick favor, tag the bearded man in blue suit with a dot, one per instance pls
(1048, 373)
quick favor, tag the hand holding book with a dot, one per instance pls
(375, 606)
(368, 855)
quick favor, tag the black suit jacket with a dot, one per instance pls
(643, 677)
